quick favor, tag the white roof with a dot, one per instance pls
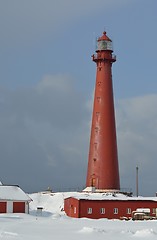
(143, 210)
(109, 196)
(13, 193)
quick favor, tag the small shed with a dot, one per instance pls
(13, 199)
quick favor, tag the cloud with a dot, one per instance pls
(136, 120)
(137, 135)
(29, 21)
(44, 134)
(44, 138)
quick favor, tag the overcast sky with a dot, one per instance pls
(47, 80)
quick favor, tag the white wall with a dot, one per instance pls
(9, 206)
(26, 207)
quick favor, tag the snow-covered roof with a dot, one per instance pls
(13, 193)
(143, 210)
(109, 196)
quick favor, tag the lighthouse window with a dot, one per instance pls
(115, 210)
(89, 211)
(94, 159)
(97, 116)
(99, 83)
(98, 99)
(96, 129)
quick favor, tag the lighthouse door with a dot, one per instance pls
(94, 181)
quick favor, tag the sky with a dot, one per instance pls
(47, 81)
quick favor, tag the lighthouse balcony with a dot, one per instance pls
(101, 57)
(114, 57)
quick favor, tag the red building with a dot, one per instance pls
(111, 206)
(13, 200)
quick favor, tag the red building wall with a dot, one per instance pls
(113, 209)
(71, 207)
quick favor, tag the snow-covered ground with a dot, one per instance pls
(54, 224)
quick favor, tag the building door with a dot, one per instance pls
(19, 207)
(94, 181)
(3, 207)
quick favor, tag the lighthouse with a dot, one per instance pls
(103, 170)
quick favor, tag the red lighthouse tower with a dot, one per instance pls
(103, 171)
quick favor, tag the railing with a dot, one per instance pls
(97, 57)
(114, 56)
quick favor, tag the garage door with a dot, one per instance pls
(19, 207)
(3, 207)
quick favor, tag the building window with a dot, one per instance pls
(74, 210)
(102, 210)
(115, 210)
(154, 210)
(89, 211)
(128, 210)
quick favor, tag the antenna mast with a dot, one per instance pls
(137, 180)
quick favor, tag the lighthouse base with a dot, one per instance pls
(93, 189)
(109, 191)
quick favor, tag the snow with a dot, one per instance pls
(108, 196)
(143, 210)
(14, 193)
(52, 223)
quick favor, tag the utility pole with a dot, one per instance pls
(137, 180)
